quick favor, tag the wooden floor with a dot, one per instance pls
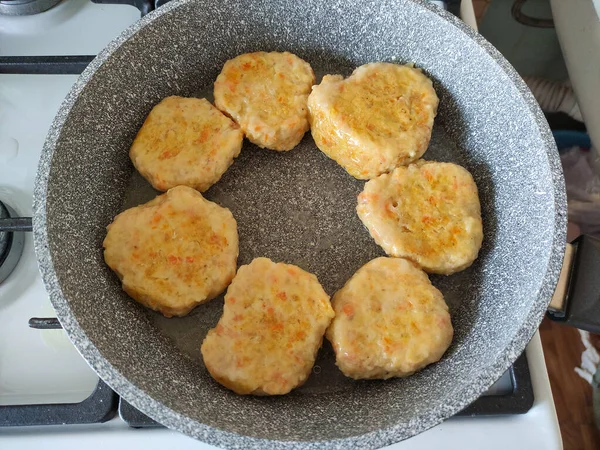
(572, 395)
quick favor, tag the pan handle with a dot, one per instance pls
(576, 300)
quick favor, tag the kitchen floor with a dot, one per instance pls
(572, 395)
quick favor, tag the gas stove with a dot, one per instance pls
(48, 394)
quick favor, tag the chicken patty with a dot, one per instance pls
(390, 321)
(273, 322)
(266, 93)
(174, 252)
(427, 212)
(378, 118)
(185, 141)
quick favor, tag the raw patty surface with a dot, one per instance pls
(390, 321)
(185, 141)
(427, 212)
(174, 252)
(266, 93)
(375, 120)
(273, 323)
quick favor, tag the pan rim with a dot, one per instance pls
(218, 437)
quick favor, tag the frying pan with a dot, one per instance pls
(299, 207)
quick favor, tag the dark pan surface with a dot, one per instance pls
(299, 207)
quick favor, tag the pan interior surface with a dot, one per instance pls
(299, 207)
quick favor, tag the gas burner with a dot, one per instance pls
(25, 7)
(12, 239)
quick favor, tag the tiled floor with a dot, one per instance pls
(572, 395)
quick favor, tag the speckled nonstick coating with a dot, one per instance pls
(298, 207)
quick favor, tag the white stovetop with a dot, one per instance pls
(27, 106)
(538, 429)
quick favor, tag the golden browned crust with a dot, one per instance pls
(273, 323)
(174, 252)
(375, 120)
(427, 212)
(266, 93)
(390, 321)
(185, 141)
